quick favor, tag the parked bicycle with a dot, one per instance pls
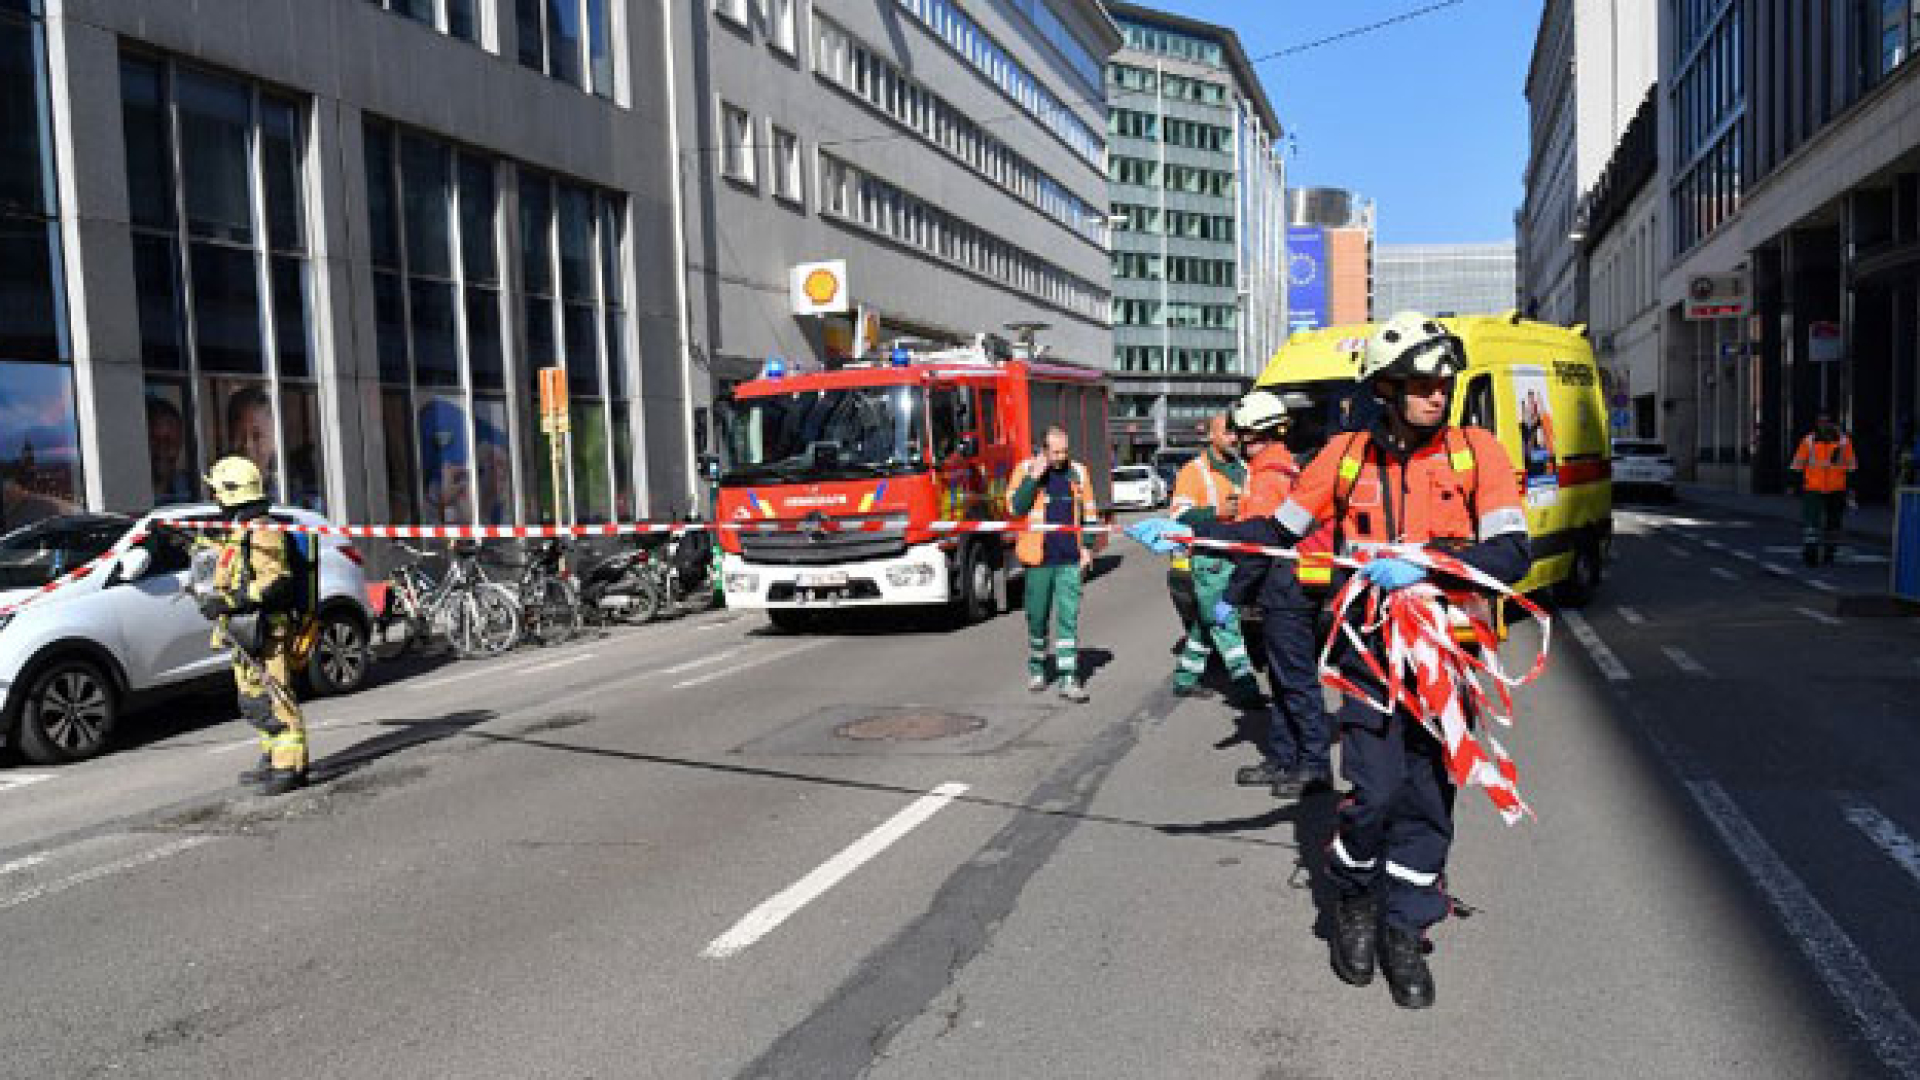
(549, 603)
(477, 617)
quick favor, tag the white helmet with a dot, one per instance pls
(1260, 410)
(1412, 345)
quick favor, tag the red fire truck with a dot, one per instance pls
(846, 469)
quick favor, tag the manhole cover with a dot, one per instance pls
(910, 725)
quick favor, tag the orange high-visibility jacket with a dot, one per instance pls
(1460, 486)
(1270, 477)
(1825, 465)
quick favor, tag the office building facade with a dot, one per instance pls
(1197, 191)
(1330, 258)
(1460, 279)
(951, 154)
(1622, 250)
(1592, 63)
(1793, 160)
(339, 237)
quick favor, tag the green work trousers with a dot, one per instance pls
(1210, 577)
(1053, 597)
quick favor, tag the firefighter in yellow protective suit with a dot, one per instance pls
(254, 597)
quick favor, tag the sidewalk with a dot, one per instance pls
(1872, 524)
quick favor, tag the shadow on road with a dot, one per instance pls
(405, 735)
(1229, 836)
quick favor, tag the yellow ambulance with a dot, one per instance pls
(1533, 384)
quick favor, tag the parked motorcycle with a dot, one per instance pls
(617, 588)
(681, 570)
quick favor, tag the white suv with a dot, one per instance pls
(72, 661)
(1138, 487)
(1643, 465)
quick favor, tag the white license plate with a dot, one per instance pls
(827, 579)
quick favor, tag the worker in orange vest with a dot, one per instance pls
(1410, 479)
(1297, 756)
(1208, 489)
(1823, 461)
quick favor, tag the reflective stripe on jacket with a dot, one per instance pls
(1825, 464)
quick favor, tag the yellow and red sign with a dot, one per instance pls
(818, 288)
(553, 400)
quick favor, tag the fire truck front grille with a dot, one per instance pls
(820, 549)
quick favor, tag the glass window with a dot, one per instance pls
(531, 25)
(39, 444)
(425, 207)
(280, 161)
(31, 316)
(300, 417)
(494, 454)
(616, 354)
(390, 327)
(436, 349)
(214, 119)
(536, 212)
(486, 362)
(289, 280)
(383, 219)
(397, 432)
(786, 165)
(170, 454)
(461, 22)
(576, 243)
(592, 492)
(624, 505)
(241, 423)
(563, 40)
(226, 294)
(156, 287)
(583, 351)
(478, 256)
(446, 469)
(144, 126)
(737, 141)
(600, 46)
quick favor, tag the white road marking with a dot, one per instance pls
(131, 862)
(1713, 545)
(25, 862)
(1633, 618)
(743, 666)
(470, 670)
(1748, 556)
(1823, 586)
(1889, 1029)
(1776, 569)
(1820, 617)
(1678, 552)
(1682, 661)
(1603, 657)
(229, 748)
(560, 663)
(762, 920)
(1723, 573)
(10, 781)
(1887, 836)
(699, 661)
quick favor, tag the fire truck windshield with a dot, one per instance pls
(824, 434)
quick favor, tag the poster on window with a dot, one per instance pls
(446, 468)
(39, 444)
(170, 444)
(1534, 400)
(494, 460)
(242, 420)
(300, 415)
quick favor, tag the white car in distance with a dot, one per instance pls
(1642, 465)
(1138, 487)
(73, 660)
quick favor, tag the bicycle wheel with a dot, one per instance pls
(484, 621)
(549, 611)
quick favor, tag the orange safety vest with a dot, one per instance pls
(1031, 547)
(1197, 484)
(1825, 465)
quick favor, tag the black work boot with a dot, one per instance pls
(1408, 977)
(281, 781)
(258, 774)
(1355, 926)
(1315, 781)
(1289, 785)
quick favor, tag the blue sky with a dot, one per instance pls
(1425, 117)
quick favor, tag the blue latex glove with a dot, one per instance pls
(1223, 613)
(1163, 536)
(1390, 573)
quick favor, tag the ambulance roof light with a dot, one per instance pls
(775, 367)
(900, 357)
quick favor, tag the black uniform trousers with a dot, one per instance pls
(1301, 732)
(1396, 825)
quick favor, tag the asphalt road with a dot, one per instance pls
(687, 850)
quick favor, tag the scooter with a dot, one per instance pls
(682, 570)
(618, 588)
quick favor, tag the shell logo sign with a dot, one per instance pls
(818, 288)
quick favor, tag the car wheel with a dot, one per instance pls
(1583, 577)
(338, 664)
(978, 599)
(68, 713)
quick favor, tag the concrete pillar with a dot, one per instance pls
(83, 64)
